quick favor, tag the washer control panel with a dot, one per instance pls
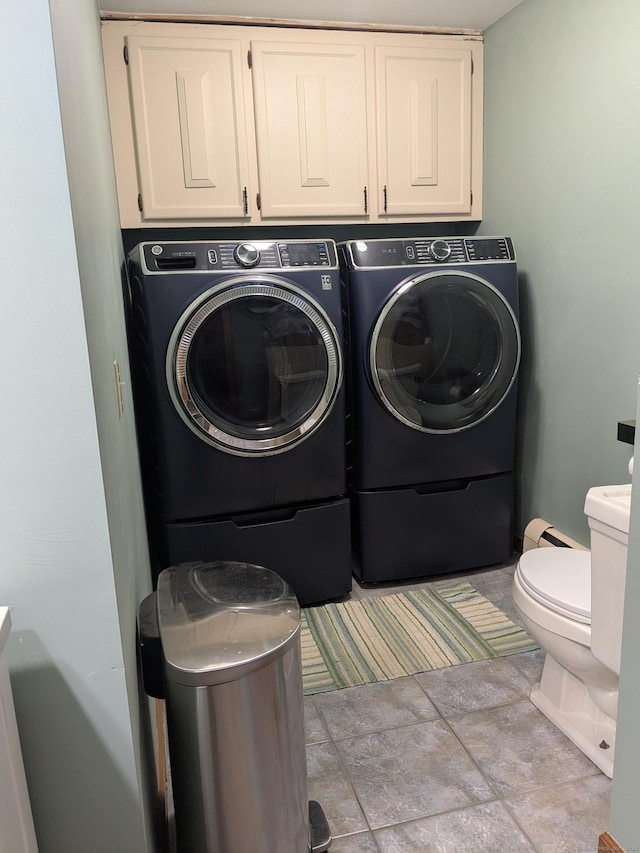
(428, 250)
(204, 256)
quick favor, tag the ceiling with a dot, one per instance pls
(446, 14)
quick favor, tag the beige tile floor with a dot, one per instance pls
(452, 761)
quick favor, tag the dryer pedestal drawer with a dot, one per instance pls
(310, 547)
(416, 532)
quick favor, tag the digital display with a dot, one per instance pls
(303, 254)
(488, 250)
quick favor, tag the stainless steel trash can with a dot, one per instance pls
(230, 636)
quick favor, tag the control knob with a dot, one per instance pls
(440, 250)
(246, 255)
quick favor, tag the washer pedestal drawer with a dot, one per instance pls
(308, 546)
(432, 529)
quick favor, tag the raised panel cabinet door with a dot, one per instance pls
(189, 127)
(423, 96)
(311, 134)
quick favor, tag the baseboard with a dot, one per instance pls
(607, 844)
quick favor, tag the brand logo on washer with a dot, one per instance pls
(326, 282)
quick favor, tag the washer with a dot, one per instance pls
(434, 348)
(236, 352)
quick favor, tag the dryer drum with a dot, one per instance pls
(444, 352)
(253, 367)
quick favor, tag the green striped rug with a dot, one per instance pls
(385, 637)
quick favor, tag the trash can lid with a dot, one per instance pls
(220, 621)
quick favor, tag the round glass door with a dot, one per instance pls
(254, 367)
(444, 352)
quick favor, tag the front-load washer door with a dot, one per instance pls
(444, 351)
(254, 366)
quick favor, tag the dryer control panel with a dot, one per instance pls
(202, 256)
(420, 251)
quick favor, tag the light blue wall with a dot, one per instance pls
(66, 652)
(87, 141)
(562, 176)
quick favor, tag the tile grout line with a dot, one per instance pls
(493, 581)
(346, 774)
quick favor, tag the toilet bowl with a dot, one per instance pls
(571, 602)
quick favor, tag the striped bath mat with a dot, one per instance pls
(385, 637)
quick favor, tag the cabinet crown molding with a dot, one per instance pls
(294, 23)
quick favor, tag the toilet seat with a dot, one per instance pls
(559, 579)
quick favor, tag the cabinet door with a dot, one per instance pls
(189, 127)
(423, 97)
(311, 134)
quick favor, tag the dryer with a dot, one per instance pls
(434, 346)
(236, 352)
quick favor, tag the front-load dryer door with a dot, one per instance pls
(444, 351)
(254, 366)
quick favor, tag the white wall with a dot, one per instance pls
(463, 14)
(562, 135)
(66, 654)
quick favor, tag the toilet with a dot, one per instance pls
(571, 602)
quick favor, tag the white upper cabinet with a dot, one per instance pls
(189, 127)
(181, 124)
(311, 132)
(424, 134)
(232, 125)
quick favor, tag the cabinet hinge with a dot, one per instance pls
(140, 202)
(249, 59)
(471, 194)
(258, 201)
(125, 53)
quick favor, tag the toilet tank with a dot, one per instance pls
(608, 509)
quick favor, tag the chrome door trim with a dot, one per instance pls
(187, 327)
(397, 294)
